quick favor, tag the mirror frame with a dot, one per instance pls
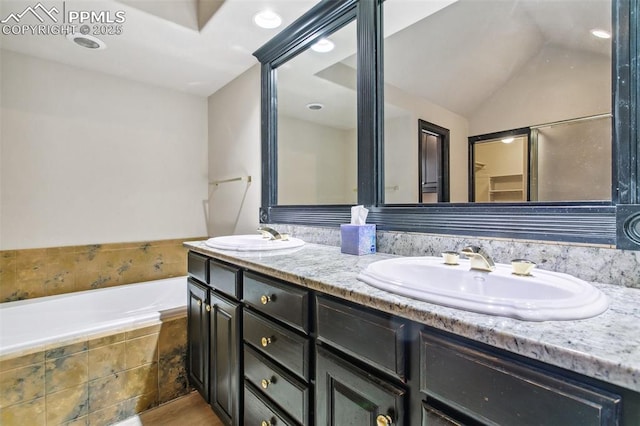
(615, 223)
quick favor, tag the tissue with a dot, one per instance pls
(358, 237)
(359, 215)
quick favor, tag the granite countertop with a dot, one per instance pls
(606, 347)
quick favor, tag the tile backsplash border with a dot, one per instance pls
(30, 273)
(594, 263)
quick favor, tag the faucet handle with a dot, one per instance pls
(522, 267)
(450, 258)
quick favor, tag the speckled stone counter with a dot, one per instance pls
(606, 347)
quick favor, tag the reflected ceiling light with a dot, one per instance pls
(87, 40)
(267, 19)
(315, 106)
(596, 32)
(507, 140)
(323, 45)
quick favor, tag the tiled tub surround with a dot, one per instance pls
(29, 273)
(606, 347)
(591, 263)
(131, 361)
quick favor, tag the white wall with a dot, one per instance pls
(401, 172)
(420, 108)
(234, 150)
(314, 163)
(557, 84)
(91, 158)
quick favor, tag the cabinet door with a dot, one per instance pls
(347, 395)
(198, 337)
(223, 363)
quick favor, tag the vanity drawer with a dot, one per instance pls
(279, 300)
(282, 345)
(502, 391)
(225, 278)
(289, 393)
(259, 411)
(375, 339)
(197, 266)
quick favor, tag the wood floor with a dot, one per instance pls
(189, 410)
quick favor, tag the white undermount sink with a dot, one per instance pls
(252, 243)
(542, 296)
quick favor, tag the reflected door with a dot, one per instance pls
(434, 159)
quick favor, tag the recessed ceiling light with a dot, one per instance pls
(323, 45)
(596, 32)
(87, 40)
(267, 19)
(507, 140)
(315, 106)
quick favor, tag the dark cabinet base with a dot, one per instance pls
(347, 395)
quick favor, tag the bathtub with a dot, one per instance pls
(93, 357)
(36, 324)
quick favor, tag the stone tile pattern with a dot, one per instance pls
(25, 274)
(604, 347)
(96, 382)
(590, 263)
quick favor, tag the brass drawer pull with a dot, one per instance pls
(208, 308)
(199, 302)
(264, 299)
(265, 383)
(383, 420)
(266, 341)
(266, 423)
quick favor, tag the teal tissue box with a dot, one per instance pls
(358, 239)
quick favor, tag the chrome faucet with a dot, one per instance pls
(272, 234)
(479, 259)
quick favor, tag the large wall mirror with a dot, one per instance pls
(483, 67)
(461, 106)
(317, 123)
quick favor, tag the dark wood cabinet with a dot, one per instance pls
(214, 355)
(286, 355)
(198, 337)
(496, 390)
(224, 366)
(348, 395)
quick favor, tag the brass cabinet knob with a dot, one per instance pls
(199, 302)
(265, 423)
(265, 383)
(265, 341)
(383, 420)
(208, 308)
(264, 299)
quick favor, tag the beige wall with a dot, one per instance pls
(401, 172)
(419, 108)
(89, 158)
(315, 163)
(234, 151)
(533, 96)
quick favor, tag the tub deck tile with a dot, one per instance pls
(142, 350)
(30, 413)
(65, 372)
(22, 384)
(67, 405)
(106, 360)
(21, 361)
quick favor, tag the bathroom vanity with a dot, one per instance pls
(295, 339)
